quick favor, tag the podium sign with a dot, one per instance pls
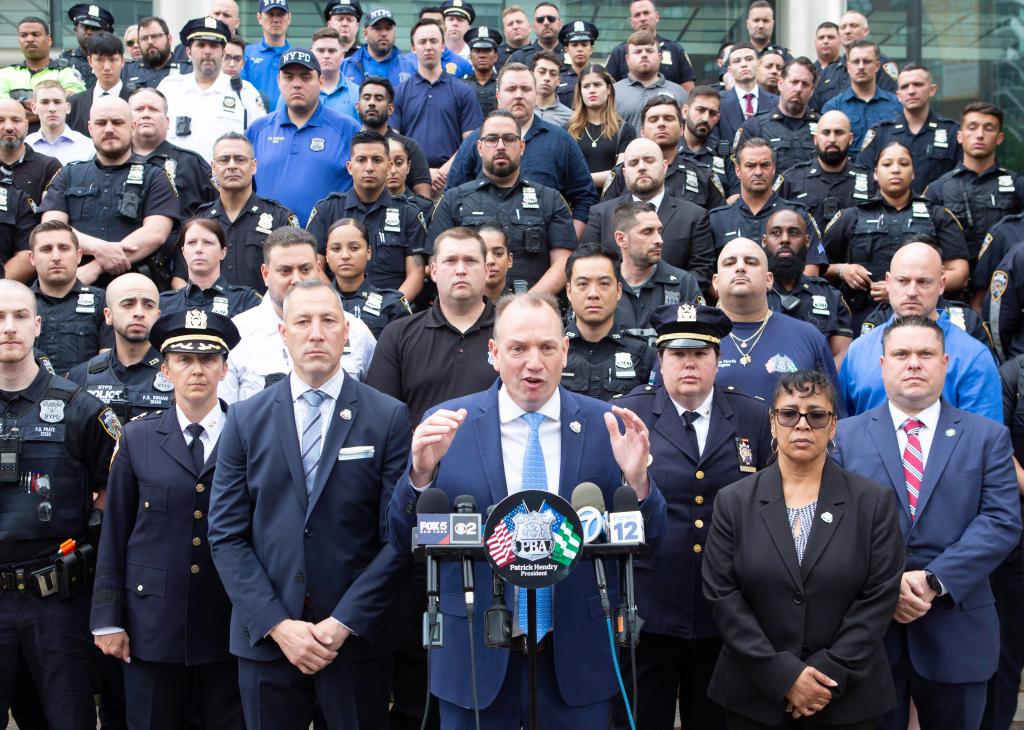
(533, 539)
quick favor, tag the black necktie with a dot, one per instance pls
(195, 430)
(691, 432)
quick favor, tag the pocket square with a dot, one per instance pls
(351, 453)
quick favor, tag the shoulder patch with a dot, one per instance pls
(866, 327)
(985, 244)
(779, 179)
(717, 182)
(955, 219)
(891, 70)
(1000, 279)
(110, 424)
(869, 137)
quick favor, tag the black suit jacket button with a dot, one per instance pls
(299, 578)
(307, 532)
(798, 598)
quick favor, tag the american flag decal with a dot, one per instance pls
(499, 545)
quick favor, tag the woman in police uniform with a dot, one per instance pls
(860, 241)
(702, 438)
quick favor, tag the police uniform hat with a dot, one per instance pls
(300, 57)
(482, 37)
(690, 325)
(93, 16)
(266, 5)
(194, 331)
(577, 30)
(458, 7)
(205, 29)
(377, 15)
(343, 7)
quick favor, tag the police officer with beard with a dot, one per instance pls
(810, 298)
(128, 377)
(700, 116)
(829, 182)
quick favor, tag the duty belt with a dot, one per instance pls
(38, 576)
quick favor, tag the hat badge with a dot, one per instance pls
(578, 26)
(195, 319)
(210, 22)
(94, 10)
(687, 313)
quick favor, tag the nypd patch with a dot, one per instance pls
(998, 284)
(110, 424)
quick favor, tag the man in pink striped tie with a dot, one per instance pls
(953, 474)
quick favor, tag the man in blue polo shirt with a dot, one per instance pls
(378, 56)
(433, 107)
(264, 58)
(302, 148)
(864, 103)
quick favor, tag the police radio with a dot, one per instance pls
(10, 453)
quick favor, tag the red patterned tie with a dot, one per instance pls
(913, 463)
(749, 111)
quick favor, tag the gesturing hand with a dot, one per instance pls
(631, 449)
(301, 647)
(431, 441)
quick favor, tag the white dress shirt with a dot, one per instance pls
(261, 352)
(515, 432)
(212, 423)
(703, 422)
(655, 201)
(69, 146)
(332, 388)
(929, 417)
(98, 92)
(742, 96)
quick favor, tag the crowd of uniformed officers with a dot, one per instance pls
(238, 276)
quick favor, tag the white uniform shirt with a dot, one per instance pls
(261, 352)
(214, 111)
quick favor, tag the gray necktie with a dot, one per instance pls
(311, 436)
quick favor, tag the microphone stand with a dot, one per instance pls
(531, 655)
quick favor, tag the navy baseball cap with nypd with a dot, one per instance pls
(300, 57)
(266, 5)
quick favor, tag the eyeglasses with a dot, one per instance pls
(230, 58)
(546, 19)
(228, 159)
(491, 140)
(152, 37)
(790, 417)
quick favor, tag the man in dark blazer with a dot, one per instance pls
(297, 527)
(686, 234)
(158, 604)
(479, 445)
(703, 438)
(953, 474)
(106, 57)
(743, 64)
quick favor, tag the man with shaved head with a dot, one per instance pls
(128, 377)
(829, 182)
(915, 280)
(762, 345)
(687, 240)
(62, 441)
(122, 210)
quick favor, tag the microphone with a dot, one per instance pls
(466, 505)
(625, 521)
(587, 496)
(588, 502)
(432, 504)
(626, 526)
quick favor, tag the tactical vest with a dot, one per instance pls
(612, 376)
(69, 334)
(128, 401)
(979, 207)
(791, 145)
(54, 502)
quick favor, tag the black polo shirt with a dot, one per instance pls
(423, 360)
(32, 173)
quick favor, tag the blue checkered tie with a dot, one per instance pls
(311, 436)
(535, 476)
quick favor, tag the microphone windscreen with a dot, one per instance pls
(465, 504)
(433, 501)
(587, 494)
(624, 500)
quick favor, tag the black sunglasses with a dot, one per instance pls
(790, 417)
(546, 19)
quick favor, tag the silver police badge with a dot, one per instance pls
(818, 301)
(266, 222)
(623, 361)
(161, 383)
(529, 197)
(229, 102)
(317, 144)
(686, 313)
(919, 209)
(533, 538)
(220, 306)
(51, 411)
(940, 139)
(392, 219)
(86, 299)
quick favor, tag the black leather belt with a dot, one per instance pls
(519, 644)
(38, 576)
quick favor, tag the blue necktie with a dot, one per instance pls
(535, 476)
(311, 436)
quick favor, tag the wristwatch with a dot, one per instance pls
(933, 582)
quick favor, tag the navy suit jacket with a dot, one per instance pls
(473, 466)
(968, 520)
(732, 114)
(144, 582)
(274, 546)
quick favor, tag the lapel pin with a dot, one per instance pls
(950, 432)
(346, 415)
(827, 517)
(575, 427)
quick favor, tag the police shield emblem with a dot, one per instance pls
(229, 102)
(51, 411)
(451, 68)
(686, 313)
(392, 218)
(998, 284)
(317, 144)
(220, 306)
(623, 361)
(533, 539)
(818, 301)
(195, 319)
(86, 299)
(529, 197)
(161, 383)
(266, 221)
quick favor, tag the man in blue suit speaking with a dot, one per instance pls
(526, 432)
(299, 535)
(953, 474)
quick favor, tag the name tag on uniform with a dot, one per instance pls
(373, 303)
(392, 220)
(354, 453)
(920, 209)
(43, 433)
(691, 181)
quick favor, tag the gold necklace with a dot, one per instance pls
(586, 128)
(741, 342)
